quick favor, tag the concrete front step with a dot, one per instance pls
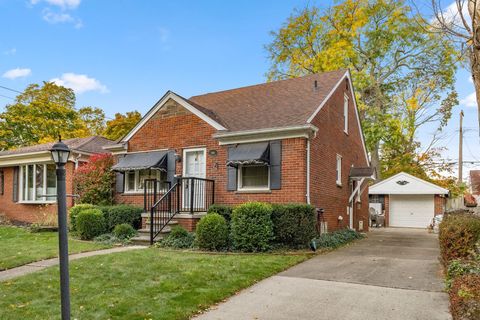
(144, 240)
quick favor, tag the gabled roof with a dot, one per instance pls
(91, 144)
(475, 181)
(404, 183)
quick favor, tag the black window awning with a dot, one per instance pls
(249, 153)
(143, 160)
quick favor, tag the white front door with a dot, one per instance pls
(411, 211)
(194, 165)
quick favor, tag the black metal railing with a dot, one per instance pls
(187, 195)
(153, 189)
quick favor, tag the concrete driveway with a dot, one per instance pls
(393, 274)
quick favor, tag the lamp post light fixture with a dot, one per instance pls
(60, 153)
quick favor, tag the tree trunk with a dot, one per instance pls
(474, 11)
(375, 161)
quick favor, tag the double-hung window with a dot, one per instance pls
(38, 183)
(253, 177)
(339, 170)
(135, 180)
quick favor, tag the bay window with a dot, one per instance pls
(135, 180)
(253, 177)
(36, 182)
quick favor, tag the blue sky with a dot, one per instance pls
(123, 55)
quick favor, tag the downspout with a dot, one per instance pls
(308, 171)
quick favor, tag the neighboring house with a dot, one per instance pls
(28, 179)
(294, 140)
(408, 201)
(475, 184)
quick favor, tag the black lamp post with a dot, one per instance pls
(60, 153)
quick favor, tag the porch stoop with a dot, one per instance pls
(143, 236)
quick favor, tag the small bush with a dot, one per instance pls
(90, 223)
(252, 227)
(122, 213)
(336, 239)
(223, 210)
(458, 237)
(458, 268)
(75, 210)
(293, 224)
(178, 238)
(465, 297)
(109, 239)
(124, 231)
(212, 232)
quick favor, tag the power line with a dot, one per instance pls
(10, 89)
(1, 95)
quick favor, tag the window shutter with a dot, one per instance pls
(231, 176)
(15, 184)
(171, 163)
(119, 182)
(2, 183)
(276, 165)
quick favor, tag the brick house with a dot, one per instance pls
(296, 140)
(27, 178)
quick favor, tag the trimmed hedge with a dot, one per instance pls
(124, 231)
(120, 214)
(252, 227)
(223, 210)
(465, 297)
(212, 232)
(90, 223)
(458, 237)
(293, 224)
(75, 210)
(459, 268)
(336, 239)
(178, 238)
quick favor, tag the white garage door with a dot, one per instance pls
(412, 211)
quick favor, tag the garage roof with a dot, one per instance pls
(404, 183)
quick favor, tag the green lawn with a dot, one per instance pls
(140, 284)
(18, 246)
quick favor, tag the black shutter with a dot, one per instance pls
(15, 184)
(231, 176)
(275, 164)
(2, 182)
(171, 163)
(119, 182)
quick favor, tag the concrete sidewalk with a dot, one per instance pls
(40, 265)
(393, 274)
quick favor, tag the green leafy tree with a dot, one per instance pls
(403, 74)
(117, 128)
(94, 120)
(40, 114)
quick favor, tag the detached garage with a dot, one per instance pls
(407, 201)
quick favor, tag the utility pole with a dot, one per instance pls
(460, 150)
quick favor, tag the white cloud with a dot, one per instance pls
(469, 101)
(17, 73)
(10, 52)
(64, 4)
(54, 18)
(451, 14)
(80, 83)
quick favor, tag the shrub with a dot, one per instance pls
(90, 223)
(178, 238)
(212, 232)
(458, 268)
(458, 237)
(223, 210)
(93, 181)
(465, 297)
(124, 231)
(122, 213)
(75, 210)
(293, 224)
(336, 239)
(252, 227)
(109, 239)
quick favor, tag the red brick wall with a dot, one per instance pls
(179, 129)
(387, 210)
(330, 141)
(31, 213)
(439, 204)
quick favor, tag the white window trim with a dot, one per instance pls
(338, 170)
(239, 180)
(345, 113)
(21, 187)
(136, 187)
(184, 157)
